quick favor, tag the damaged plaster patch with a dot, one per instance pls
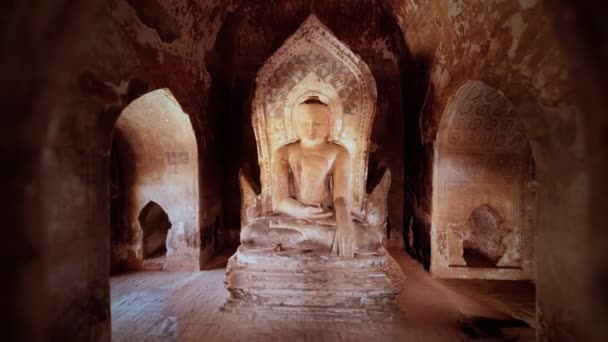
(461, 24)
(411, 6)
(383, 46)
(526, 4)
(474, 49)
(454, 9)
(154, 15)
(517, 26)
(199, 24)
(120, 88)
(441, 77)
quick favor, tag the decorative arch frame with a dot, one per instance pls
(482, 158)
(479, 118)
(314, 61)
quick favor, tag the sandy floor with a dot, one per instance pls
(182, 306)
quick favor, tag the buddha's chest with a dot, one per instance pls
(311, 168)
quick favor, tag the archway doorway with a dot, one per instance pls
(155, 224)
(154, 201)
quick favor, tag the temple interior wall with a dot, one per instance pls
(67, 93)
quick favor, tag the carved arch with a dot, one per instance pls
(314, 62)
(478, 118)
(482, 159)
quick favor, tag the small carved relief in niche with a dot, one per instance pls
(483, 240)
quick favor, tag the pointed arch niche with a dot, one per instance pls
(313, 62)
(483, 189)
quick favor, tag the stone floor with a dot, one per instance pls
(183, 306)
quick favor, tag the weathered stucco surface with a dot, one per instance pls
(73, 67)
(94, 66)
(541, 57)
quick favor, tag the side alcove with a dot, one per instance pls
(484, 192)
(155, 178)
(155, 224)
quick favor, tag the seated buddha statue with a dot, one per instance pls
(311, 192)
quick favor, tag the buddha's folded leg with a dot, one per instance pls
(318, 235)
(262, 234)
(259, 234)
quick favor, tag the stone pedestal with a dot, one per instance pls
(312, 285)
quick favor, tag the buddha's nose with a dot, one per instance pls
(311, 130)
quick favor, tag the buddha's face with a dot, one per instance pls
(312, 123)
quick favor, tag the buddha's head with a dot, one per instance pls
(311, 120)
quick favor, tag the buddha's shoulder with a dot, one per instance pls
(337, 148)
(286, 148)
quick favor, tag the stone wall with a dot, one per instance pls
(73, 72)
(544, 58)
(509, 46)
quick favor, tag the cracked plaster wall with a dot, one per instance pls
(93, 61)
(544, 57)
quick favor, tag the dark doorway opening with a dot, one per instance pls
(155, 225)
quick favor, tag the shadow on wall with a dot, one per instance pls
(155, 225)
(417, 168)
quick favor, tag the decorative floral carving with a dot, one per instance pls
(481, 168)
(480, 118)
(329, 70)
